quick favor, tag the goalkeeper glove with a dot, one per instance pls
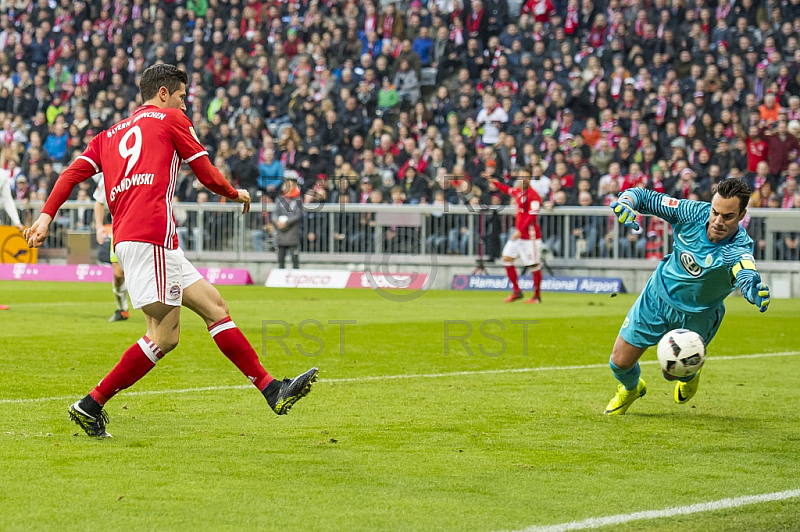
(760, 296)
(625, 213)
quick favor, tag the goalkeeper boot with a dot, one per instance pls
(94, 426)
(624, 398)
(686, 390)
(281, 395)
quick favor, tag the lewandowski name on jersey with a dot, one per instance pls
(128, 182)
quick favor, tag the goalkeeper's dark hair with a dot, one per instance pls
(158, 76)
(734, 188)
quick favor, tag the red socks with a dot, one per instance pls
(537, 283)
(235, 346)
(511, 271)
(140, 358)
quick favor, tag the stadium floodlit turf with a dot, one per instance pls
(487, 448)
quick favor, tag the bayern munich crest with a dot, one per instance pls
(175, 291)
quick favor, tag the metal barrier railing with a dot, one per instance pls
(567, 232)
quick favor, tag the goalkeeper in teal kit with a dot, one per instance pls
(712, 255)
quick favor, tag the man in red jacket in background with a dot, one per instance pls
(782, 147)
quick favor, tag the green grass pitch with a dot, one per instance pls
(484, 449)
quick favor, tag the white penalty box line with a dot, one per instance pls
(395, 377)
(711, 506)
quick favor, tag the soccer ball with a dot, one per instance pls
(681, 352)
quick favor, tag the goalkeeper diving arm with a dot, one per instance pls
(748, 280)
(672, 210)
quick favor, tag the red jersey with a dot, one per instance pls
(140, 158)
(756, 152)
(528, 205)
(541, 10)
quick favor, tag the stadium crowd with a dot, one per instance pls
(409, 102)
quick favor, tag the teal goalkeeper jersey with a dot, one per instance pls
(698, 275)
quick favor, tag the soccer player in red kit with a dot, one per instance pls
(140, 158)
(526, 241)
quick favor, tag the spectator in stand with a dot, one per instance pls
(769, 111)
(585, 230)
(388, 98)
(56, 144)
(757, 148)
(245, 171)
(436, 225)
(782, 147)
(492, 118)
(286, 219)
(270, 174)
(759, 177)
(406, 83)
(416, 188)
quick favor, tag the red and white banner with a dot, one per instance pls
(410, 281)
(278, 278)
(94, 273)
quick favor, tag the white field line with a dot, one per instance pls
(392, 377)
(722, 504)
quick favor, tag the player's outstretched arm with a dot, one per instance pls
(196, 156)
(625, 211)
(670, 209)
(502, 187)
(37, 232)
(243, 197)
(80, 170)
(214, 181)
(749, 282)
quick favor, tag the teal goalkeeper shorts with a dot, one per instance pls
(651, 317)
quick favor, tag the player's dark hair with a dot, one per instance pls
(158, 76)
(734, 188)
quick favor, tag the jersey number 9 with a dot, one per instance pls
(131, 153)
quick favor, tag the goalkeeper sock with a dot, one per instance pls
(628, 377)
(121, 295)
(512, 277)
(235, 346)
(686, 379)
